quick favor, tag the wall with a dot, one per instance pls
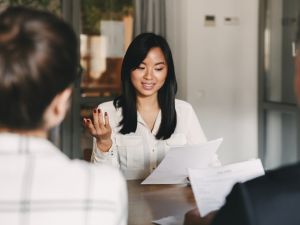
(218, 66)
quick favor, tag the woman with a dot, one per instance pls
(39, 184)
(134, 131)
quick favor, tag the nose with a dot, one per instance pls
(148, 74)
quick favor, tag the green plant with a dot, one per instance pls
(93, 11)
(53, 6)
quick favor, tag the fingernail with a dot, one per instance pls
(99, 110)
(84, 119)
(88, 120)
(95, 111)
(105, 114)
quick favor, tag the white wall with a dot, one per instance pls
(219, 68)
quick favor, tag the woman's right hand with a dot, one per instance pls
(100, 128)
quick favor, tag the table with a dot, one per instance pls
(152, 202)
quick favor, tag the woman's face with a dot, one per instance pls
(151, 74)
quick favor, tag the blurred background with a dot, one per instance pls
(233, 60)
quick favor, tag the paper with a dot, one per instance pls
(212, 185)
(170, 220)
(174, 167)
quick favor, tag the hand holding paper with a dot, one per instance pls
(174, 167)
(212, 185)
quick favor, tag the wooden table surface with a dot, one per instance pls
(152, 202)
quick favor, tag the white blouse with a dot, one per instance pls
(138, 154)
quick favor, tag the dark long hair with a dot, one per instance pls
(136, 53)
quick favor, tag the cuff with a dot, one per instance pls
(100, 154)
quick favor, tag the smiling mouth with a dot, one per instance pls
(148, 86)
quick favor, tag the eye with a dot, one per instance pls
(159, 68)
(140, 67)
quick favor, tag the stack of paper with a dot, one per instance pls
(170, 220)
(174, 167)
(212, 185)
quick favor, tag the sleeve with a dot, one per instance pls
(109, 158)
(196, 135)
(237, 209)
(108, 192)
(122, 213)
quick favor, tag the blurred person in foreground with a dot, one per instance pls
(38, 183)
(271, 199)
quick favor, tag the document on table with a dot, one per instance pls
(170, 220)
(173, 169)
(212, 185)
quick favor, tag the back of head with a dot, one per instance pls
(38, 60)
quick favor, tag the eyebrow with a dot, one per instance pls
(159, 63)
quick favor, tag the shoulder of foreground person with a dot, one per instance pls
(270, 199)
(104, 178)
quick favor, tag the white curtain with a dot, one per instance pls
(150, 16)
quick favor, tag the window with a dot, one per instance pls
(107, 28)
(106, 32)
(278, 112)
